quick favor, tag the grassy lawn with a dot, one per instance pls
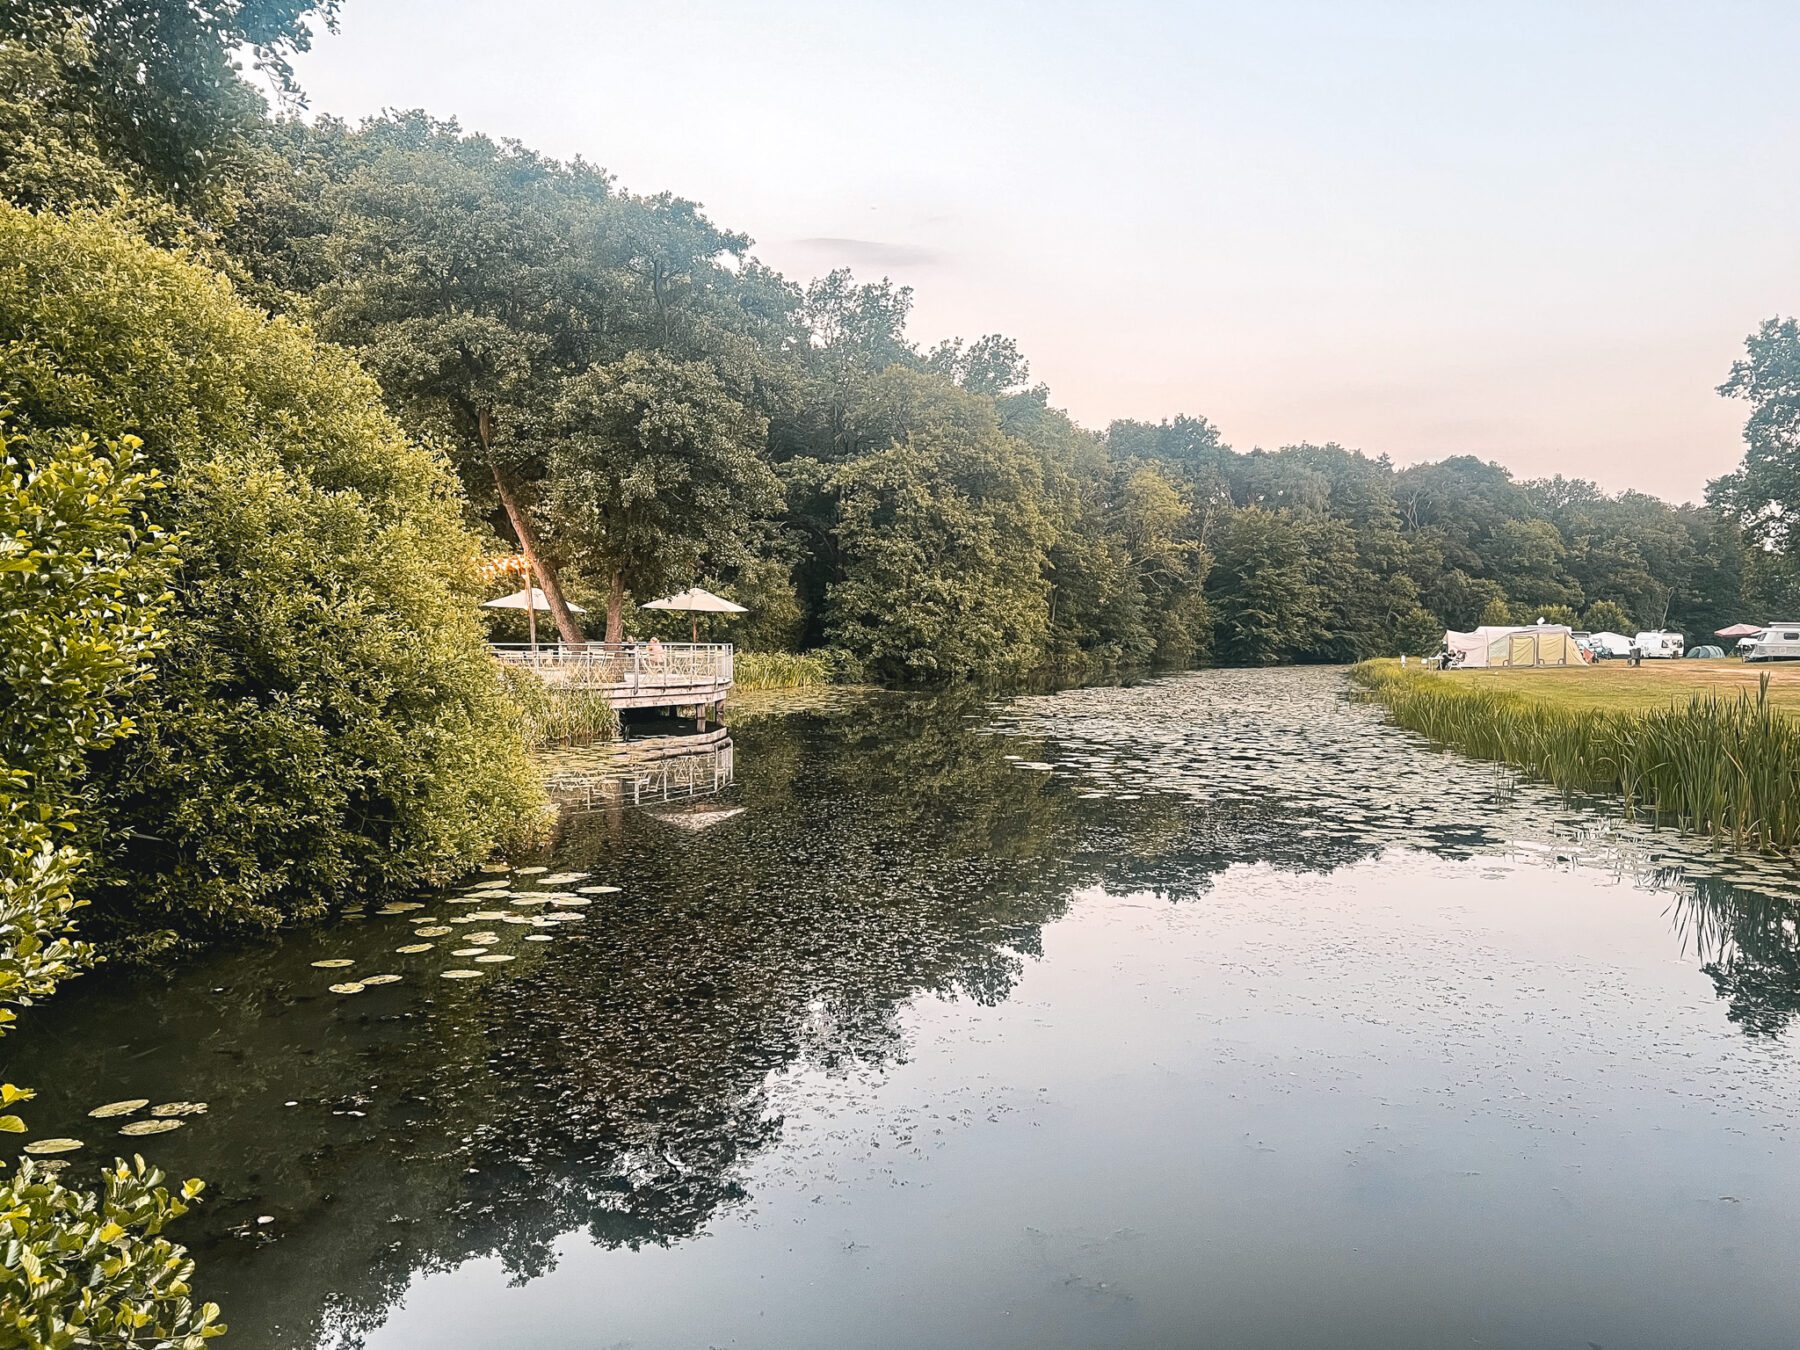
(1655, 684)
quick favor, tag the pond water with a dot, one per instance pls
(1210, 1011)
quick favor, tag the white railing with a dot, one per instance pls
(674, 775)
(628, 665)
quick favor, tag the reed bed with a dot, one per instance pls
(553, 714)
(782, 670)
(1719, 764)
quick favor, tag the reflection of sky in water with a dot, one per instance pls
(1316, 1038)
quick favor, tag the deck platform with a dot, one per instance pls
(678, 675)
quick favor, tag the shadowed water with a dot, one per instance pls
(1210, 1011)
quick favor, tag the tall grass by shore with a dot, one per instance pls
(558, 715)
(1719, 764)
(782, 670)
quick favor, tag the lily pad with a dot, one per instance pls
(462, 974)
(151, 1127)
(530, 871)
(40, 1148)
(571, 901)
(468, 951)
(539, 937)
(124, 1108)
(431, 930)
(335, 963)
(414, 948)
(168, 1109)
(483, 939)
(380, 979)
(353, 987)
(488, 914)
(494, 958)
(599, 890)
(563, 878)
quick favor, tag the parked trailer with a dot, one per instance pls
(1777, 642)
(1660, 644)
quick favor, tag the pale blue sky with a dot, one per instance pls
(1533, 232)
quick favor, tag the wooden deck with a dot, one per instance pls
(678, 675)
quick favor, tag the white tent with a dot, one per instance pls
(1529, 645)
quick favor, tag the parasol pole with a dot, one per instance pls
(530, 606)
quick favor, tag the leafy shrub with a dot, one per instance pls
(87, 1269)
(82, 576)
(325, 724)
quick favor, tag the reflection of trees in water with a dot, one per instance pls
(615, 1083)
(1749, 945)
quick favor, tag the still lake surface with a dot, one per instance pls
(1207, 1012)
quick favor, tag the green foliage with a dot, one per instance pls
(1496, 613)
(554, 714)
(82, 578)
(1268, 593)
(782, 670)
(655, 468)
(942, 541)
(1717, 765)
(325, 725)
(93, 1269)
(141, 97)
(1605, 616)
(1530, 614)
(82, 586)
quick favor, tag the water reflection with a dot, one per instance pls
(626, 1072)
(642, 772)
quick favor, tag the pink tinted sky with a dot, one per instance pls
(1532, 232)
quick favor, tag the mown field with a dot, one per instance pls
(1616, 686)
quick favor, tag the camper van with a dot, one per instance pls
(1659, 644)
(1777, 642)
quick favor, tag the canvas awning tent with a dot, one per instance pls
(1533, 645)
(696, 601)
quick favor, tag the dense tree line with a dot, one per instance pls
(637, 403)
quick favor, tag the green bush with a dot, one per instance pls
(82, 576)
(87, 1269)
(325, 725)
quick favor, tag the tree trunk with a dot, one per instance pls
(615, 609)
(534, 560)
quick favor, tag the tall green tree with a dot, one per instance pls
(656, 472)
(942, 540)
(147, 97)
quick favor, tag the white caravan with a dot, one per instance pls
(1777, 642)
(1655, 646)
(1605, 645)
